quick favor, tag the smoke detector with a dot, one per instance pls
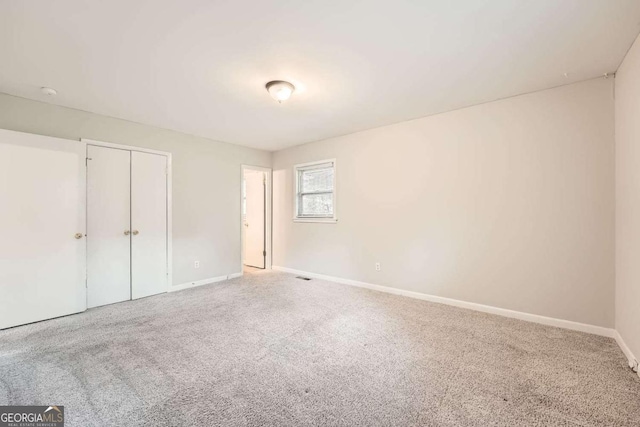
(48, 91)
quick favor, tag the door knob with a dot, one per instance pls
(135, 232)
(78, 236)
(246, 224)
(127, 232)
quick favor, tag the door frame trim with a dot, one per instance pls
(88, 142)
(268, 217)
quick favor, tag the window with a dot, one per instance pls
(315, 192)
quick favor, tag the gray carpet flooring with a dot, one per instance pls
(268, 349)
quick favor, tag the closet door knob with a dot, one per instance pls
(127, 232)
(78, 236)
(135, 232)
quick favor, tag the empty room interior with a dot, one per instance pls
(319, 213)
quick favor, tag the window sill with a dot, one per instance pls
(320, 220)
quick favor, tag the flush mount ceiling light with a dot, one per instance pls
(48, 91)
(280, 90)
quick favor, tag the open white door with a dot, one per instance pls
(108, 226)
(148, 224)
(254, 237)
(42, 228)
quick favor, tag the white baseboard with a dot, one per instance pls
(550, 321)
(633, 362)
(204, 282)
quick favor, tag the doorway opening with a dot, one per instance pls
(256, 217)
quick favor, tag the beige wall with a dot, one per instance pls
(627, 110)
(508, 204)
(206, 179)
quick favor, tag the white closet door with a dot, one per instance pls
(148, 224)
(42, 208)
(254, 219)
(108, 225)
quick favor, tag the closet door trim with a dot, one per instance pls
(169, 196)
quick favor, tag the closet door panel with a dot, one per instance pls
(148, 224)
(42, 227)
(108, 225)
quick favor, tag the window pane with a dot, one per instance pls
(316, 205)
(316, 180)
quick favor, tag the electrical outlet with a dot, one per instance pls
(378, 266)
(197, 264)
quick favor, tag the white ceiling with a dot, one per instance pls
(199, 66)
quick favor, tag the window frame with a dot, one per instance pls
(296, 195)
